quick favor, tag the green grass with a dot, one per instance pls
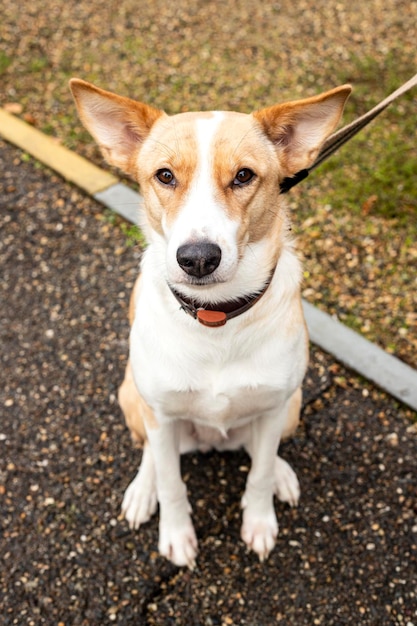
(5, 61)
(132, 232)
(381, 161)
(38, 64)
(372, 167)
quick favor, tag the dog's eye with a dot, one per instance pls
(165, 176)
(244, 176)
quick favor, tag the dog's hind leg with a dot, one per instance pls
(293, 414)
(133, 407)
(286, 485)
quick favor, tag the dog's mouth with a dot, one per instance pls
(199, 300)
(205, 281)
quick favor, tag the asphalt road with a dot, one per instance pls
(346, 555)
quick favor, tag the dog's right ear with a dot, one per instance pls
(119, 125)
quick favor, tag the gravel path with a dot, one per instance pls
(347, 555)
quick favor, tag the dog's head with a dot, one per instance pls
(210, 181)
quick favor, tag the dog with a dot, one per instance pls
(218, 341)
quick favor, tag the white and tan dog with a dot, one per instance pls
(218, 345)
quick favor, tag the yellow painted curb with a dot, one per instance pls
(69, 165)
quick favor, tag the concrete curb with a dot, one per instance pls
(347, 346)
(69, 165)
(123, 200)
(359, 354)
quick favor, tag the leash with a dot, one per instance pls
(337, 139)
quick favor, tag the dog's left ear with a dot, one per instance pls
(298, 129)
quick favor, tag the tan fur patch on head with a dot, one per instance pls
(242, 144)
(173, 146)
(239, 142)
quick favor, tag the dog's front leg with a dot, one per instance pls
(177, 539)
(268, 473)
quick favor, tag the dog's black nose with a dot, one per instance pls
(199, 259)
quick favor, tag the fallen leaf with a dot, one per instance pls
(30, 119)
(13, 107)
(369, 203)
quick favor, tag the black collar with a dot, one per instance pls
(219, 314)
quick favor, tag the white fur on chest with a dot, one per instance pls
(198, 386)
(223, 411)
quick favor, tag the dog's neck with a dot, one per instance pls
(218, 314)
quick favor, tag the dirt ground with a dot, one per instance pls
(346, 556)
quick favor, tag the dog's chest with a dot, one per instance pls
(220, 378)
(220, 407)
(219, 388)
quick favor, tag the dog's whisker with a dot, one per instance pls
(166, 150)
(244, 136)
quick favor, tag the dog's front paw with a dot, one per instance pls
(140, 500)
(178, 543)
(286, 485)
(259, 532)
